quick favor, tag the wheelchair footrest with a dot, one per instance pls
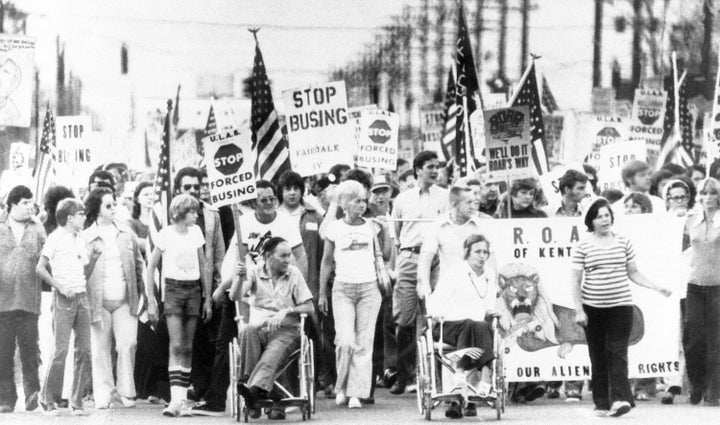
(285, 402)
(448, 397)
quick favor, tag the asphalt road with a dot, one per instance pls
(400, 410)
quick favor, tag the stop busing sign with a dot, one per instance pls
(379, 131)
(228, 159)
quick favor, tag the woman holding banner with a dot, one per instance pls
(701, 335)
(603, 305)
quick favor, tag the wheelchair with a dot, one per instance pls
(435, 368)
(304, 357)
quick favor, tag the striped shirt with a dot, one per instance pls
(606, 273)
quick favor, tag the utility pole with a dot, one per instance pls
(637, 28)
(524, 42)
(503, 37)
(441, 13)
(707, 42)
(479, 5)
(424, 48)
(597, 45)
(2, 16)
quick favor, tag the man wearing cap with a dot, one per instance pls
(413, 211)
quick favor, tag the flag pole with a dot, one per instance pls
(466, 135)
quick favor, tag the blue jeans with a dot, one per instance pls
(21, 327)
(69, 315)
(355, 309)
(264, 352)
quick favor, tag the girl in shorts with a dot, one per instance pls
(180, 247)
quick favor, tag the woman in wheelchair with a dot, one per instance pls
(462, 305)
(278, 295)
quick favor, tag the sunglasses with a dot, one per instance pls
(191, 186)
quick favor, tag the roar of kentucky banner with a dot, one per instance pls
(543, 343)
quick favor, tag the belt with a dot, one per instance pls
(413, 249)
(181, 282)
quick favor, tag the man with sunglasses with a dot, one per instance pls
(187, 180)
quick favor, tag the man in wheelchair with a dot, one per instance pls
(463, 304)
(277, 294)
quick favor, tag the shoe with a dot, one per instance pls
(619, 408)
(102, 406)
(276, 414)
(369, 400)
(354, 403)
(642, 396)
(205, 409)
(711, 403)
(553, 393)
(185, 409)
(153, 399)
(573, 396)
(63, 404)
(172, 410)
(454, 411)
(398, 387)
(192, 394)
(390, 377)
(77, 411)
(31, 402)
(534, 393)
(125, 402)
(329, 391)
(340, 399)
(49, 409)
(668, 398)
(601, 413)
(254, 413)
(247, 394)
(412, 388)
(696, 396)
(470, 410)
(4, 408)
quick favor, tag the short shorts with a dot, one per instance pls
(182, 297)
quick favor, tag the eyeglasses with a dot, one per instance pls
(680, 198)
(191, 186)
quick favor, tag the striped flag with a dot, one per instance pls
(527, 94)
(273, 156)
(44, 172)
(677, 122)
(467, 98)
(450, 117)
(684, 152)
(548, 100)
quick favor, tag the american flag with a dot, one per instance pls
(448, 134)
(684, 152)
(273, 157)
(467, 98)
(548, 100)
(677, 122)
(44, 172)
(527, 94)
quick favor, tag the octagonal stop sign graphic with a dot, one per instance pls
(228, 159)
(606, 136)
(379, 131)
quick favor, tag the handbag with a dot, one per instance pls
(384, 281)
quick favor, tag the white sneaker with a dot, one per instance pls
(172, 410)
(340, 399)
(600, 413)
(185, 409)
(412, 388)
(354, 403)
(619, 408)
(127, 402)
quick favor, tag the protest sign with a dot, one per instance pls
(230, 161)
(17, 59)
(184, 152)
(19, 170)
(477, 134)
(542, 340)
(602, 130)
(507, 134)
(76, 150)
(494, 101)
(431, 127)
(603, 100)
(612, 159)
(647, 120)
(377, 144)
(553, 136)
(319, 133)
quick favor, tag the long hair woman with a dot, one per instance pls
(115, 288)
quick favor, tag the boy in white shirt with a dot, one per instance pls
(67, 256)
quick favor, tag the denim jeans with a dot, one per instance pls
(405, 308)
(122, 327)
(608, 336)
(701, 339)
(356, 307)
(264, 352)
(220, 379)
(68, 316)
(19, 327)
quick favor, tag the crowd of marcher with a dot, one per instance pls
(152, 309)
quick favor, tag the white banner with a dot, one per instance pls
(648, 115)
(230, 161)
(507, 134)
(534, 267)
(319, 132)
(17, 61)
(377, 143)
(612, 159)
(76, 148)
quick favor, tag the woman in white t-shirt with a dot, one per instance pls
(349, 251)
(180, 247)
(115, 287)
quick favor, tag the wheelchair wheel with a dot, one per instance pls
(420, 372)
(500, 390)
(311, 381)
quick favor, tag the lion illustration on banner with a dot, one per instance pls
(530, 319)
